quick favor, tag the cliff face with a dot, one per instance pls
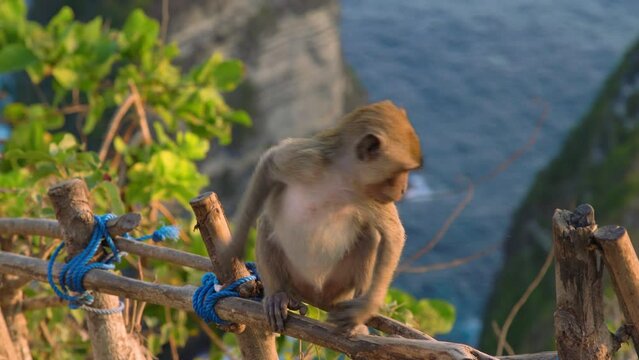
(599, 164)
(297, 81)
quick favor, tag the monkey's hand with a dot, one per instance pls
(350, 316)
(276, 307)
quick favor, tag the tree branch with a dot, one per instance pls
(113, 127)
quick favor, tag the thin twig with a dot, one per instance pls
(169, 216)
(214, 338)
(113, 127)
(125, 316)
(470, 192)
(41, 303)
(74, 109)
(46, 252)
(165, 20)
(139, 108)
(46, 334)
(511, 315)
(532, 139)
(497, 331)
(449, 264)
(172, 344)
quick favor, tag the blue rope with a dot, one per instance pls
(206, 296)
(73, 272)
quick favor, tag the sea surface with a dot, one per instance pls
(474, 77)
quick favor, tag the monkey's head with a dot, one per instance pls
(385, 147)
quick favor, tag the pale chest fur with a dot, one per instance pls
(315, 228)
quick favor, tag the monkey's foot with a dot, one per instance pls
(359, 329)
(276, 307)
(349, 315)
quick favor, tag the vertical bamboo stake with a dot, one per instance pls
(254, 343)
(580, 330)
(621, 260)
(109, 338)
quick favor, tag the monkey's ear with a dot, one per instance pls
(368, 148)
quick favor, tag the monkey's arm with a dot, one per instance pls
(288, 160)
(261, 183)
(353, 312)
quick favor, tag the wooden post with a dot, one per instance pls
(109, 338)
(7, 350)
(621, 259)
(255, 343)
(11, 296)
(580, 330)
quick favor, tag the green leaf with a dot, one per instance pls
(238, 117)
(112, 193)
(97, 106)
(15, 112)
(14, 57)
(430, 315)
(67, 78)
(61, 20)
(119, 145)
(228, 74)
(13, 9)
(139, 33)
(192, 146)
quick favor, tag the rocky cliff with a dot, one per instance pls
(599, 164)
(297, 81)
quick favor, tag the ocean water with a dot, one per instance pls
(472, 76)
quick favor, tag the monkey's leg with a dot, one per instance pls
(272, 266)
(360, 262)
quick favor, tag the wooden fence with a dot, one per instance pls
(582, 251)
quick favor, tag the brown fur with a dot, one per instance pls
(329, 233)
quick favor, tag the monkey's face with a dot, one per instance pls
(386, 150)
(384, 166)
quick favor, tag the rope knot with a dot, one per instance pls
(73, 272)
(210, 292)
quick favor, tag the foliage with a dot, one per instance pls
(432, 316)
(84, 74)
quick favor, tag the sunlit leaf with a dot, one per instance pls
(67, 78)
(239, 117)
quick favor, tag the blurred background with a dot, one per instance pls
(521, 106)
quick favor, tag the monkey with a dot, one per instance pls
(328, 232)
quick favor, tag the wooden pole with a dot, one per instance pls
(255, 343)
(580, 330)
(7, 350)
(621, 260)
(250, 312)
(109, 338)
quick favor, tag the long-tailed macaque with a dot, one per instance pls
(329, 233)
